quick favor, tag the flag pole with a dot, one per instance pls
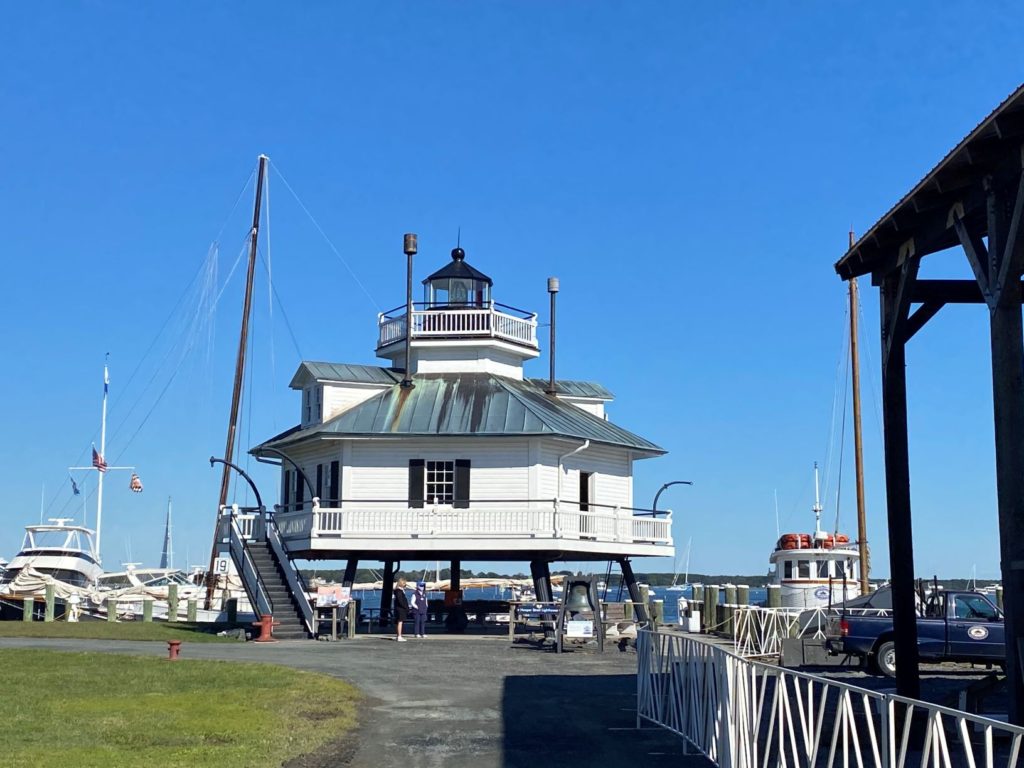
(103, 456)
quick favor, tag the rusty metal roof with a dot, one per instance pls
(343, 372)
(575, 388)
(923, 213)
(467, 404)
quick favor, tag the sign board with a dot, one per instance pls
(222, 565)
(333, 594)
(579, 629)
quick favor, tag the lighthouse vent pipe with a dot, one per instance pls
(552, 291)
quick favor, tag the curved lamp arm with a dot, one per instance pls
(239, 470)
(291, 461)
(654, 506)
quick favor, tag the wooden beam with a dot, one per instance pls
(897, 479)
(977, 254)
(1013, 249)
(923, 314)
(900, 286)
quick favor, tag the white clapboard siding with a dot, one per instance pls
(340, 397)
(612, 469)
(380, 468)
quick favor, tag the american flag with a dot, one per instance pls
(135, 484)
(98, 461)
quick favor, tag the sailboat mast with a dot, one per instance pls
(862, 525)
(236, 395)
(101, 472)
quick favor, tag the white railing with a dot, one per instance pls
(760, 631)
(531, 520)
(486, 322)
(747, 714)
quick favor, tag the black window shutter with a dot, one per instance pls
(416, 468)
(462, 483)
(319, 481)
(286, 489)
(335, 480)
(300, 491)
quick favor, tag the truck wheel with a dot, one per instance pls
(885, 658)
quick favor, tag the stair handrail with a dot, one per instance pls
(292, 575)
(251, 580)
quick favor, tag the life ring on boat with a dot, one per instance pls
(795, 541)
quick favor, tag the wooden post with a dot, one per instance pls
(774, 596)
(191, 608)
(743, 594)
(730, 609)
(231, 607)
(147, 610)
(352, 618)
(711, 608)
(858, 443)
(50, 596)
(387, 593)
(897, 478)
(639, 607)
(27, 608)
(350, 573)
(1008, 406)
(999, 597)
(111, 609)
(172, 602)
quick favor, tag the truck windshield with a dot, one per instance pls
(974, 607)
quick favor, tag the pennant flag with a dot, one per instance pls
(135, 484)
(74, 486)
(98, 461)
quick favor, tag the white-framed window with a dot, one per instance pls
(439, 482)
(787, 569)
(307, 405)
(319, 403)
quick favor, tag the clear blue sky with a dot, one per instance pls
(689, 171)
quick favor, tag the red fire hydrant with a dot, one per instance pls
(173, 647)
(266, 625)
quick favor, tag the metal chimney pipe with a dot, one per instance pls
(552, 290)
(409, 245)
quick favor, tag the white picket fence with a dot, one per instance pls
(746, 714)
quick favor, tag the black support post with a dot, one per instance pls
(639, 609)
(456, 575)
(350, 573)
(897, 479)
(387, 593)
(541, 580)
(1008, 405)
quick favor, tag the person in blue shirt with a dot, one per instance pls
(419, 609)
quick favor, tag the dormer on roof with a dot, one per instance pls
(331, 388)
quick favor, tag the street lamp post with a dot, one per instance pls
(654, 506)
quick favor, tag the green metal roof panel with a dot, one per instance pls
(469, 404)
(358, 374)
(575, 388)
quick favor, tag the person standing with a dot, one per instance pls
(419, 609)
(401, 609)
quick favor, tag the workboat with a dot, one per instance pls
(815, 570)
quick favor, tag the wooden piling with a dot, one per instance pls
(743, 594)
(50, 597)
(231, 605)
(111, 609)
(192, 610)
(147, 609)
(999, 597)
(172, 602)
(730, 609)
(27, 608)
(774, 596)
(711, 608)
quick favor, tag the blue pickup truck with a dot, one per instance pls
(951, 626)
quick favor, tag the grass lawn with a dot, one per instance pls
(102, 630)
(96, 709)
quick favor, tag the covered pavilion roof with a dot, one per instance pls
(921, 221)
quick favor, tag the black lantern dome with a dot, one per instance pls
(457, 284)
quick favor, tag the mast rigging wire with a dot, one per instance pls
(326, 238)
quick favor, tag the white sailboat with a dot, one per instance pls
(674, 587)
